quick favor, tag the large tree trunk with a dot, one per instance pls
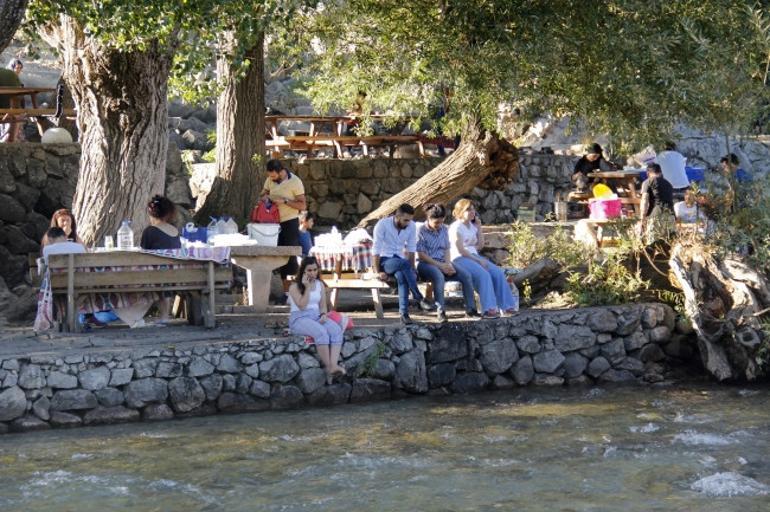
(11, 16)
(240, 137)
(122, 118)
(482, 160)
(724, 300)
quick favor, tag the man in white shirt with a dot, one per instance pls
(395, 243)
(673, 163)
(58, 244)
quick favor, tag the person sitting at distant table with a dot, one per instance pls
(64, 219)
(395, 242)
(306, 239)
(434, 261)
(161, 234)
(466, 238)
(58, 243)
(592, 161)
(689, 211)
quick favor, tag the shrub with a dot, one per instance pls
(526, 248)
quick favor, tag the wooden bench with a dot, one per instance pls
(335, 284)
(128, 272)
(310, 143)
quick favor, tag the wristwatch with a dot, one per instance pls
(285, 201)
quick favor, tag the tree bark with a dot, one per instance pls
(481, 160)
(240, 136)
(11, 16)
(122, 119)
(724, 300)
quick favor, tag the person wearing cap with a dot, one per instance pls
(592, 161)
(285, 189)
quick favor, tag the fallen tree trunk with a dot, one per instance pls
(482, 160)
(724, 300)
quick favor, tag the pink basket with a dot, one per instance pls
(603, 209)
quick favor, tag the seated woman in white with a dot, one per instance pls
(307, 300)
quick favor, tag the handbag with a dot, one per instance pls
(342, 319)
(266, 212)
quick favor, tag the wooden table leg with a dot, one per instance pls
(631, 185)
(337, 274)
(377, 303)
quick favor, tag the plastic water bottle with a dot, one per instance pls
(125, 236)
(213, 228)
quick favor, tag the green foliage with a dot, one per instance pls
(606, 283)
(197, 32)
(370, 363)
(746, 229)
(632, 68)
(526, 248)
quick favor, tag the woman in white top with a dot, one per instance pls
(465, 240)
(307, 299)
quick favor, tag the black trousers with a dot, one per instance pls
(289, 235)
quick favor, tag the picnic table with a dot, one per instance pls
(259, 262)
(627, 180)
(130, 281)
(349, 257)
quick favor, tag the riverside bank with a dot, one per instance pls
(66, 388)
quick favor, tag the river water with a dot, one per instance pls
(689, 448)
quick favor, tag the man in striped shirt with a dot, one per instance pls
(434, 264)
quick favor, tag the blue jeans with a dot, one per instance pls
(432, 273)
(490, 283)
(406, 278)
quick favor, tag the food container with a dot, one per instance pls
(264, 234)
(603, 209)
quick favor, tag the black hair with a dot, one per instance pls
(435, 211)
(730, 158)
(669, 146)
(274, 165)
(55, 233)
(594, 148)
(162, 208)
(307, 260)
(405, 208)
(652, 167)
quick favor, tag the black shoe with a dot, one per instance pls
(406, 320)
(426, 306)
(442, 317)
(472, 314)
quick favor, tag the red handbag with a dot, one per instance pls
(265, 213)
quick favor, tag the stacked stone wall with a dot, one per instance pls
(582, 346)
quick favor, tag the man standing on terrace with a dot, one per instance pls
(287, 191)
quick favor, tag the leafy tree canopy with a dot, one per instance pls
(632, 68)
(200, 30)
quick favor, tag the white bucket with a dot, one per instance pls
(264, 234)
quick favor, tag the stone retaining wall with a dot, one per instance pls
(342, 192)
(582, 346)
